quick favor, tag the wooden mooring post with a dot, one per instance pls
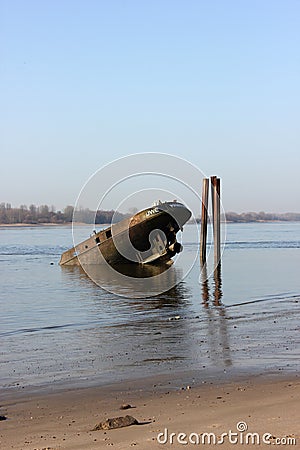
(216, 206)
(203, 235)
(216, 191)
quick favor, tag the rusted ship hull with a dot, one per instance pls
(147, 237)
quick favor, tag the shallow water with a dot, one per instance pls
(58, 327)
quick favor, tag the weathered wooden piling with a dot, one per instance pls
(215, 191)
(203, 235)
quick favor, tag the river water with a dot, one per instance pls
(58, 328)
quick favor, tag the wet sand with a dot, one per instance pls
(63, 420)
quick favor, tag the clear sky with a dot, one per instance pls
(216, 82)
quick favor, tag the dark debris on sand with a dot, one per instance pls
(116, 422)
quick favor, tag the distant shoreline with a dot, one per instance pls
(44, 215)
(262, 221)
(68, 224)
(39, 225)
(33, 225)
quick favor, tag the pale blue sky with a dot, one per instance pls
(215, 82)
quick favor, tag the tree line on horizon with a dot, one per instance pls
(261, 217)
(47, 214)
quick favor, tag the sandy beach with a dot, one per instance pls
(268, 409)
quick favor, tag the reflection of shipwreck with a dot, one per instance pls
(147, 237)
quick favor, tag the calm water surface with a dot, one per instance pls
(58, 327)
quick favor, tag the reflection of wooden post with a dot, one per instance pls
(218, 285)
(204, 285)
(203, 236)
(215, 190)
